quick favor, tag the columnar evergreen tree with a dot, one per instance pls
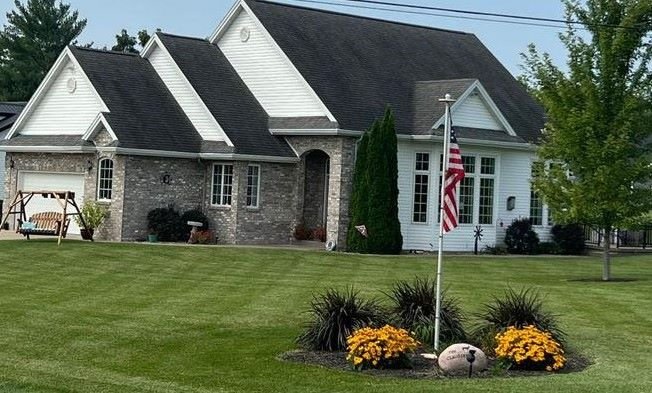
(596, 146)
(356, 242)
(375, 199)
(30, 43)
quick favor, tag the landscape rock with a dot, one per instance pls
(453, 360)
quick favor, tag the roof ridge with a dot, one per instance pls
(394, 22)
(447, 80)
(108, 52)
(182, 36)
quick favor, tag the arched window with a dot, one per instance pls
(105, 180)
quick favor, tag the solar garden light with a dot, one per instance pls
(470, 357)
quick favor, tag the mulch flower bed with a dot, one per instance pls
(423, 368)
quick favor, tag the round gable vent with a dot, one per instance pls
(245, 33)
(71, 85)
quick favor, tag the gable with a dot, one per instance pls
(67, 106)
(358, 65)
(474, 112)
(263, 67)
(183, 92)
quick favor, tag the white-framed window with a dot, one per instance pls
(476, 197)
(253, 185)
(536, 208)
(421, 184)
(222, 189)
(105, 180)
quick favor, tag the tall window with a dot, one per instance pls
(466, 191)
(536, 208)
(536, 202)
(253, 185)
(421, 178)
(222, 185)
(105, 180)
(478, 171)
(487, 182)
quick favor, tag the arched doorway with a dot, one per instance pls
(315, 192)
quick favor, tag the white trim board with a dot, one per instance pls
(472, 142)
(316, 132)
(477, 86)
(94, 128)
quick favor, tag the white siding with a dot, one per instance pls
(60, 112)
(183, 92)
(270, 77)
(475, 113)
(512, 179)
(2, 176)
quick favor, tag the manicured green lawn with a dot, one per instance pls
(136, 318)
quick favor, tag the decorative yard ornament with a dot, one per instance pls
(362, 229)
(470, 357)
(477, 233)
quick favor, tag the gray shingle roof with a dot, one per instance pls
(227, 97)
(301, 123)
(358, 65)
(144, 114)
(9, 112)
(426, 109)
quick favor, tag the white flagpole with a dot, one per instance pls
(447, 136)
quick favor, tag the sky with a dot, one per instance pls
(199, 18)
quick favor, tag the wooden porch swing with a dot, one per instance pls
(44, 223)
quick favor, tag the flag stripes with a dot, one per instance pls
(454, 176)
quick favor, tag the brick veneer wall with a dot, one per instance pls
(272, 222)
(145, 190)
(71, 163)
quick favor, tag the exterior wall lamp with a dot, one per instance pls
(511, 203)
(89, 165)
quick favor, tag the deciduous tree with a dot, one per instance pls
(35, 35)
(595, 153)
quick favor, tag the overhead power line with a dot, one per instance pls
(476, 15)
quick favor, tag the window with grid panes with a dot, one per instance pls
(222, 189)
(105, 180)
(421, 185)
(253, 185)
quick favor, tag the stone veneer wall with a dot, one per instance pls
(316, 165)
(71, 163)
(145, 190)
(341, 151)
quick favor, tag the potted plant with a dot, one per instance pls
(94, 215)
(152, 237)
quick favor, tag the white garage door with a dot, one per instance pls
(42, 181)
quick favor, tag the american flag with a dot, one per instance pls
(454, 176)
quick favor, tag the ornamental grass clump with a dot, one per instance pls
(529, 348)
(386, 347)
(414, 306)
(335, 315)
(519, 309)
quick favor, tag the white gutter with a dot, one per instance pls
(316, 132)
(48, 149)
(205, 156)
(475, 142)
